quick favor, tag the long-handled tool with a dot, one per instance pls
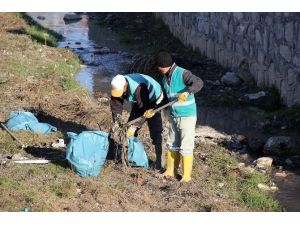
(154, 111)
(13, 136)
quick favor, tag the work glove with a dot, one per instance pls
(149, 114)
(131, 131)
(182, 97)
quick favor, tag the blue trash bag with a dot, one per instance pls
(136, 153)
(19, 120)
(87, 151)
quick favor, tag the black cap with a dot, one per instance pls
(164, 59)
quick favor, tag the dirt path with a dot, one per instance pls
(39, 78)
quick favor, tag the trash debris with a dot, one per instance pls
(19, 120)
(87, 151)
(60, 143)
(136, 153)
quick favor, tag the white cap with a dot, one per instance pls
(117, 85)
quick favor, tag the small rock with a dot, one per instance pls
(220, 185)
(241, 165)
(245, 157)
(17, 156)
(280, 174)
(267, 188)
(41, 18)
(282, 145)
(72, 16)
(274, 188)
(230, 79)
(263, 162)
(78, 190)
(263, 187)
(77, 43)
(255, 96)
(241, 138)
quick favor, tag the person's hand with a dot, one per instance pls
(131, 131)
(149, 114)
(182, 97)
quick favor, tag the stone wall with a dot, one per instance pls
(265, 44)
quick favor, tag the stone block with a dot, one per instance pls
(220, 36)
(292, 77)
(258, 37)
(279, 31)
(289, 31)
(238, 16)
(260, 57)
(285, 52)
(266, 40)
(296, 60)
(210, 49)
(246, 47)
(225, 25)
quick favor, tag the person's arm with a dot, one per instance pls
(116, 106)
(193, 82)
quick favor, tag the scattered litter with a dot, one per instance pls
(60, 143)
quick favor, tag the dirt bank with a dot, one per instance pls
(40, 78)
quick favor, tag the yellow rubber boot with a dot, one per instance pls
(187, 162)
(173, 159)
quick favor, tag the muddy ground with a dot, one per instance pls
(40, 79)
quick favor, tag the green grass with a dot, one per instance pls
(62, 189)
(70, 84)
(223, 160)
(40, 34)
(255, 198)
(239, 184)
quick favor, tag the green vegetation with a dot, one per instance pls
(41, 36)
(239, 184)
(70, 84)
(39, 33)
(255, 198)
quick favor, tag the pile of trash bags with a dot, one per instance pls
(86, 152)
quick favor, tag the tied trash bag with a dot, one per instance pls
(27, 121)
(136, 153)
(87, 151)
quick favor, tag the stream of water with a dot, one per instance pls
(104, 56)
